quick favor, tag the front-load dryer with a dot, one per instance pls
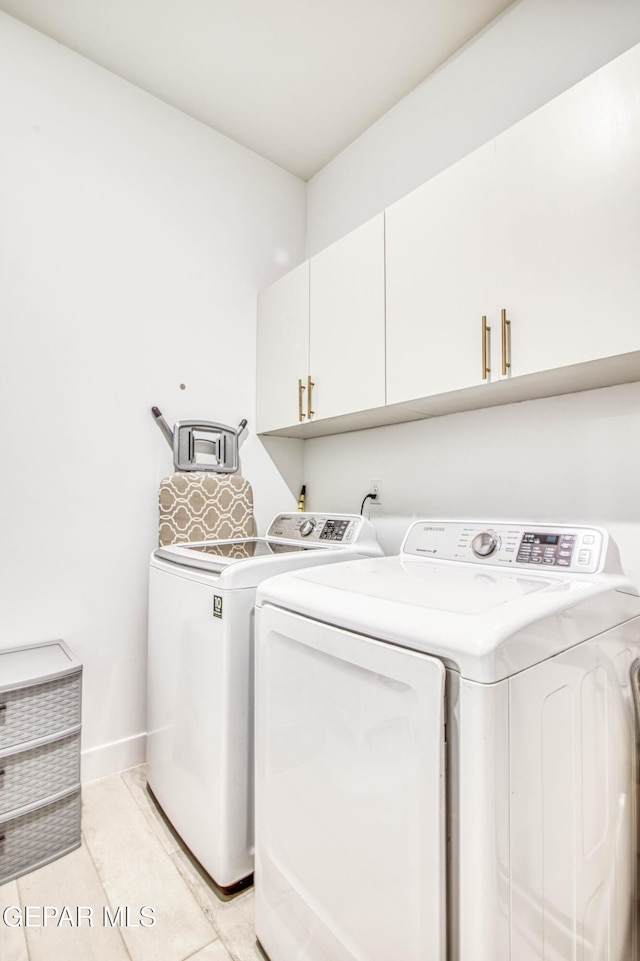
(445, 751)
(200, 683)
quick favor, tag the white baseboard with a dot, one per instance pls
(111, 758)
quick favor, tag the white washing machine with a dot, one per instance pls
(445, 751)
(200, 683)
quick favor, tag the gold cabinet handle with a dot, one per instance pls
(486, 330)
(301, 414)
(310, 384)
(506, 344)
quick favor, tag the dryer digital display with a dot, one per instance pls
(540, 548)
(540, 538)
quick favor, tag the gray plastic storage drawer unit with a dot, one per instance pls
(40, 715)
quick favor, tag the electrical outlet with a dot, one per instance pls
(375, 487)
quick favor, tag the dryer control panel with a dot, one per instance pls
(577, 550)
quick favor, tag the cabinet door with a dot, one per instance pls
(283, 349)
(347, 323)
(569, 209)
(441, 278)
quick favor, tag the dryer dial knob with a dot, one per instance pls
(307, 527)
(485, 543)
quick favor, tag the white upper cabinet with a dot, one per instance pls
(283, 351)
(569, 217)
(539, 231)
(513, 274)
(321, 336)
(441, 280)
(346, 343)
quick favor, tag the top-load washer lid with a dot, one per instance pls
(486, 616)
(293, 540)
(218, 555)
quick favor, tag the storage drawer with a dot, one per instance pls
(29, 841)
(40, 710)
(40, 773)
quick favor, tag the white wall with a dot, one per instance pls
(570, 459)
(566, 459)
(133, 241)
(530, 54)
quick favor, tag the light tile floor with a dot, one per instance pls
(129, 857)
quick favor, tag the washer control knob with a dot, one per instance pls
(307, 526)
(485, 543)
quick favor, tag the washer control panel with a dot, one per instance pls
(336, 529)
(571, 549)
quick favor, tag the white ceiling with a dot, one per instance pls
(294, 80)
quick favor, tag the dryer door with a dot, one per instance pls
(350, 826)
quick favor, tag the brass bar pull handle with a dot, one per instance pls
(301, 414)
(485, 341)
(310, 385)
(506, 364)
